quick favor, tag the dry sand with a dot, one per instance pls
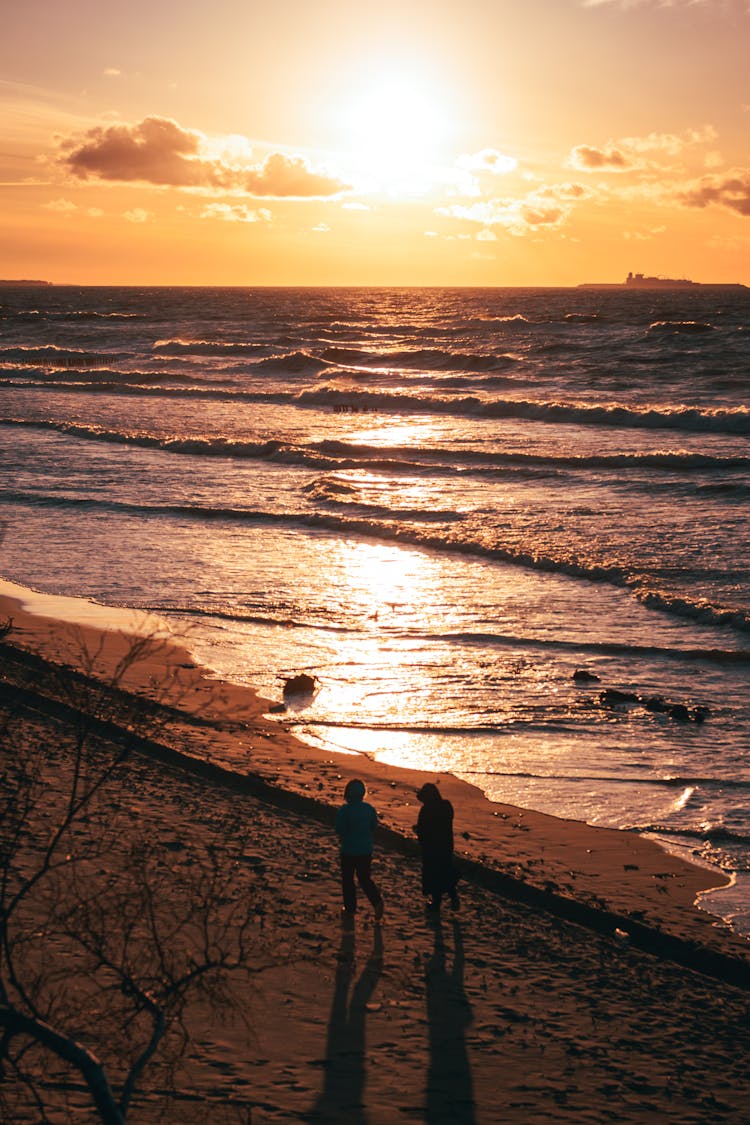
(578, 982)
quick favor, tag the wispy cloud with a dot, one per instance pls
(586, 158)
(159, 151)
(61, 206)
(543, 209)
(475, 174)
(236, 213)
(630, 154)
(643, 235)
(731, 190)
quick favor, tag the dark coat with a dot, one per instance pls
(435, 834)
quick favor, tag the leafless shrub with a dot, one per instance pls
(106, 934)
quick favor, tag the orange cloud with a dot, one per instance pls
(637, 153)
(670, 144)
(159, 151)
(291, 176)
(137, 215)
(545, 208)
(731, 190)
(63, 206)
(156, 151)
(588, 159)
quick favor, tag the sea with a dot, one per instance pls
(506, 529)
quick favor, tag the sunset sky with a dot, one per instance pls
(487, 142)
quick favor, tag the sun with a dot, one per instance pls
(396, 128)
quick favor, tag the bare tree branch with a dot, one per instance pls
(94, 972)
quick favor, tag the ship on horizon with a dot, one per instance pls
(642, 281)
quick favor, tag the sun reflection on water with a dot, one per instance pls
(387, 581)
(387, 430)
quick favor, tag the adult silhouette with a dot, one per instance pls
(342, 1096)
(450, 1093)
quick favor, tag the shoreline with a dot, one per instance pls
(607, 878)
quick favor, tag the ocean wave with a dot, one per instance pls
(667, 460)
(517, 320)
(75, 315)
(289, 363)
(313, 456)
(98, 378)
(206, 613)
(219, 447)
(408, 458)
(340, 494)
(713, 835)
(683, 418)
(674, 327)
(407, 533)
(584, 318)
(50, 355)
(213, 390)
(205, 347)
(366, 328)
(692, 419)
(598, 648)
(401, 378)
(423, 358)
(700, 611)
(91, 314)
(628, 779)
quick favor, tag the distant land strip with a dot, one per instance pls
(25, 283)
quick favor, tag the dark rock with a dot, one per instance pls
(611, 697)
(300, 685)
(656, 703)
(680, 713)
(582, 676)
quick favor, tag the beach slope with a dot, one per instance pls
(577, 977)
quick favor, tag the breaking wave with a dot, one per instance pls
(423, 358)
(50, 355)
(674, 327)
(205, 347)
(693, 419)
(342, 454)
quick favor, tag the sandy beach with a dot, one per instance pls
(577, 983)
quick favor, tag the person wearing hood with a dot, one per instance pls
(355, 822)
(434, 829)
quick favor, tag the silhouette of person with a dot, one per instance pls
(342, 1096)
(450, 1089)
(434, 829)
(355, 821)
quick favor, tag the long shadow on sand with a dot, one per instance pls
(342, 1096)
(450, 1093)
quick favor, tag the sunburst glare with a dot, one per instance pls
(396, 130)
